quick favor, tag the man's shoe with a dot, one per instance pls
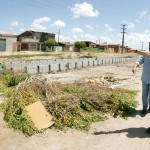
(148, 130)
(143, 112)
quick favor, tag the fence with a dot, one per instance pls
(54, 65)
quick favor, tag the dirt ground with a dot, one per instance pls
(112, 134)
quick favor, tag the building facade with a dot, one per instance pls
(33, 41)
(8, 43)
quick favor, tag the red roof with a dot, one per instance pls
(8, 35)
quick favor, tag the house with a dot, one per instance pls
(33, 40)
(114, 48)
(66, 46)
(8, 43)
(90, 44)
(111, 48)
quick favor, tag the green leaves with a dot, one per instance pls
(74, 105)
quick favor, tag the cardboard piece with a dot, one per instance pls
(40, 117)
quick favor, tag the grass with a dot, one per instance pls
(30, 55)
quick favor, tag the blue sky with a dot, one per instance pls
(90, 20)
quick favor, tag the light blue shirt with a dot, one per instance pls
(146, 68)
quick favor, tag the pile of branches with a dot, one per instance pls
(74, 105)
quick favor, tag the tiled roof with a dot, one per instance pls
(8, 35)
(66, 43)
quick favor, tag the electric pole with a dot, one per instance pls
(123, 32)
(58, 37)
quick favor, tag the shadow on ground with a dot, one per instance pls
(131, 132)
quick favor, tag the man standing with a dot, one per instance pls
(145, 79)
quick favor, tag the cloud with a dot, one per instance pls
(63, 38)
(2, 32)
(130, 25)
(76, 30)
(147, 31)
(37, 24)
(89, 26)
(142, 14)
(108, 28)
(85, 10)
(135, 39)
(58, 24)
(14, 24)
(88, 37)
(21, 30)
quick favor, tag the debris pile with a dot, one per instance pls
(74, 105)
(106, 81)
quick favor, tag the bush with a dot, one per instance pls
(72, 105)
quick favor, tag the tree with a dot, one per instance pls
(50, 43)
(79, 44)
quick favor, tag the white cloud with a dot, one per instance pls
(131, 25)
(63, 38)
(147, 31)
(76, 30)
(85, 9)
(58, 24)
(2, 32)
(38, 23)
(21, 30)
(108, 28)
(137, 20)
(135, 39)
(89, 26)
(88, 37)
(14, 24)
(142, 14)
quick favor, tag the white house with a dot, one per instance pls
(8, 43)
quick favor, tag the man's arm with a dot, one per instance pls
(134, 67)
(143, 53)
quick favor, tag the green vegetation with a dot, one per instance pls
(92, 50)
(51, 44)
(30, 55)
(74, 105)
(79, 45)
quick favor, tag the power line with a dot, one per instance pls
(123, 32)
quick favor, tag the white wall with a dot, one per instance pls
(9, 44)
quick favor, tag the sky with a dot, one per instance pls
(99, 21)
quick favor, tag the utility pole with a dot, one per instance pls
(123, 32)
(99, 43)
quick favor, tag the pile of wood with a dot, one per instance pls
(107, 81)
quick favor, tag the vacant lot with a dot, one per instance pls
(112, 134)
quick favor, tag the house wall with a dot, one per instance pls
(110, 50)
(11, 44)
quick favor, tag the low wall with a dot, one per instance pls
(54, 65)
